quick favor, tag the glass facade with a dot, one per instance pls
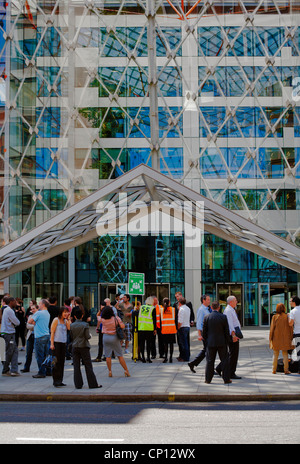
(204, 92)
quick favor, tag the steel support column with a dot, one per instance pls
(153, 94)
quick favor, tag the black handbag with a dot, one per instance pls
(238, 332)
(119, 331)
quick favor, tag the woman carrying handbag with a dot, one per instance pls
(111, 324)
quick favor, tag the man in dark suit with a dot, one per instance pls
(216, 335)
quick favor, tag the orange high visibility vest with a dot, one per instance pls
(167, 318)
(158, 310)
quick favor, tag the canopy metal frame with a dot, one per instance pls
(77, 224)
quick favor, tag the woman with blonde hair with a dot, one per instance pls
(280, 337)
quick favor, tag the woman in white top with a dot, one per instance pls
(58, 341)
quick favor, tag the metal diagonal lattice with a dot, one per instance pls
(201, 91)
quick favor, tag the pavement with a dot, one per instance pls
(164, 382)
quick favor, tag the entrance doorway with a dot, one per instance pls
(269, 295)
(45, 290)
(161, 291)
(235, 289)
(110, 291)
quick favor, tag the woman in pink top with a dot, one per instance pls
(111, 342)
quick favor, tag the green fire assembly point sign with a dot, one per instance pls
(136, 283)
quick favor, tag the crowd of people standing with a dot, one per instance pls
(64, 333)
(52, 332)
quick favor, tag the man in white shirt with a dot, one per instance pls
(294, 321)
(183, 330)
(8, 332)
(233, 321)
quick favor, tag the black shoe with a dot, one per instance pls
(98, 386)
(206, 381)
(38, 376)
(24, 370)
(143, 360)
(229, 381)
(165, 360)
(170, 360)
(235, 377)
(149, 360)
(59, 385)
(191, 366)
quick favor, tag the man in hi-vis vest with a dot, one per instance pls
(146, 327)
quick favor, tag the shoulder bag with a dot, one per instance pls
(119, 330)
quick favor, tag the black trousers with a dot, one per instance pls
(84, 355)
(211, 353)
(58, 368)
(161, 346)
(100, 345)
(199, 356)
(145, 338)
(233, 348)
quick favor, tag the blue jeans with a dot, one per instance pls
(41, 348)
(183, 340)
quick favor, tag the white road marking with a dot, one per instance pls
(70, 439)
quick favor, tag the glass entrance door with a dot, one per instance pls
(45, 290)
(237, 290)
(270, 295)
(264, 304)
(161, 291)
(110, 291)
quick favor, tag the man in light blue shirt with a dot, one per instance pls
(41, 319)
(203, 310)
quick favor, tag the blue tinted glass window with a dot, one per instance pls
(164, 117)
(208, 84)
(271, 163)
(44, 161)
(48, 76)
(213, 118)
(143, 117)
(213, 163)
(124, 41)
(169, 40)
(169, 82)
(50, 122)
(112, 79)
(240, 164)
(210, 41)
(172, 162)
(138, 156)
(51, 42)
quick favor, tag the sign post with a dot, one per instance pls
(136, 286)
